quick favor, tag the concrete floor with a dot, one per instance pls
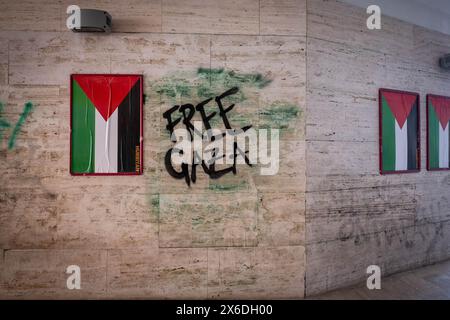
(431, 282)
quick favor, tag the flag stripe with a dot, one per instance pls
(401, 146)
(129, 132)
(433, 138)
(388, 134)
(83, 131)
(443, 146)
(448, 163)
(106, 143)
(412, 138)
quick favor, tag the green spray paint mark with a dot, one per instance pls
(204, 90)
(26, 111)
(210, 83)
(154, 207)
(155, 202)
(279, 115)
(239, 119)
(227, 186)
(3, 123)
(173, 88)
(213, 81)
(233, 79)
(197, 221)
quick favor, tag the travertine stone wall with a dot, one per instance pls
(354, 216)
(151, 236)
(325, 217)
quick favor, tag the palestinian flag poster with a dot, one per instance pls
(438, 117)
(399, 131)
(106, 124)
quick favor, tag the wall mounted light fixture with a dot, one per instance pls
(444, 62)
(88, 20)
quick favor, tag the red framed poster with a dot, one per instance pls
(399, 123)
(106, 124)
(438, 133)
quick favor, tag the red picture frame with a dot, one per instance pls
(380, 137)
(141, 145)
(429, 96)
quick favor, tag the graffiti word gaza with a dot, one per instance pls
(194, 156)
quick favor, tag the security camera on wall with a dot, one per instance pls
(444, 62)
(88, 20)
